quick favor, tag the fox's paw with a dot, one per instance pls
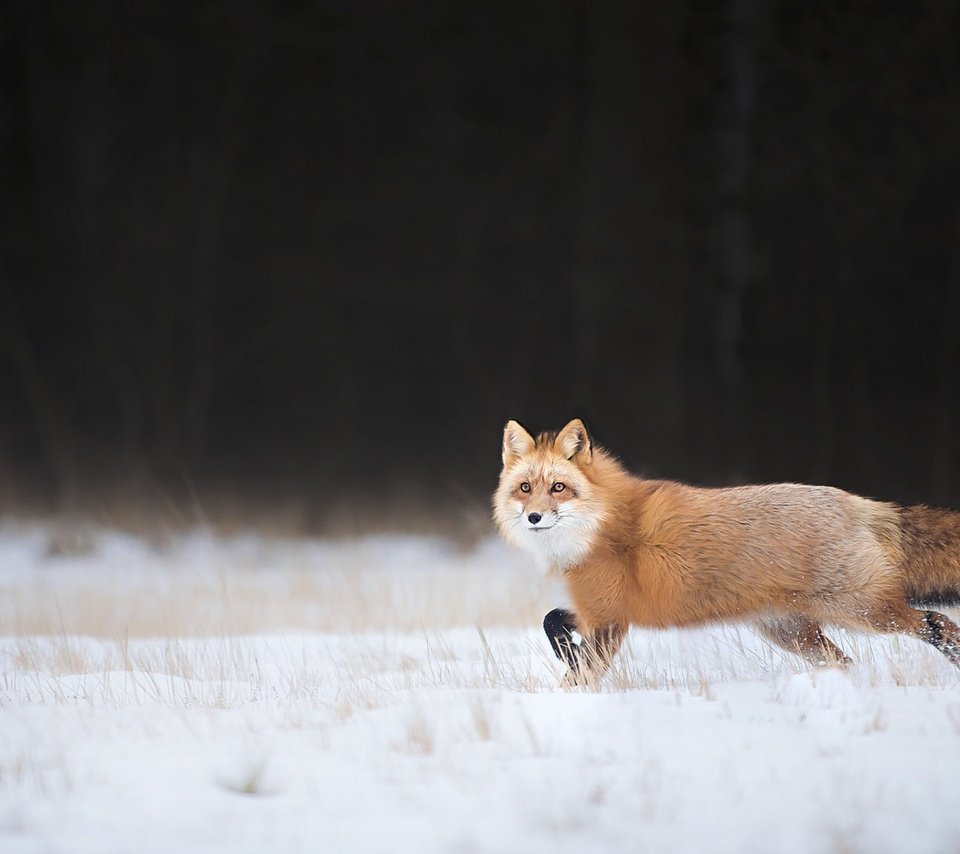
(584, 679)
(560, 627)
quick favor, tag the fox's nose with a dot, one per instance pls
(534, 518)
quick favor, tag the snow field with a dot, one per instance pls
(397, 695)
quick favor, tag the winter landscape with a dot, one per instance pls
(396, 694)
(275, 277)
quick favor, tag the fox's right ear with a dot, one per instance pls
(516, 442)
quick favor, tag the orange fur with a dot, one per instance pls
(786, 556)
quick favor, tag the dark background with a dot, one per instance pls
(298, 262)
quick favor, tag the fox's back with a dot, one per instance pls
(778, 540)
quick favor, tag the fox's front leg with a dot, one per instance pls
(587, 658)
(564, 637)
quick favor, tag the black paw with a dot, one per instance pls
(560, 626)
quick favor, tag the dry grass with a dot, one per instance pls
(200, 586)
(124, 624)
(346, 675)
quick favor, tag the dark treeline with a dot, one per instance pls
(316, 254)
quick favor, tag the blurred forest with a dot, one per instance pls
(303, 259)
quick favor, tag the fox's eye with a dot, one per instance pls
(558, 487)
(524, 487)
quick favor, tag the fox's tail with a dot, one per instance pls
(930, 539)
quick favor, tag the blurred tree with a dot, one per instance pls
(321, 251)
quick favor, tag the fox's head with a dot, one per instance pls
(546, 502)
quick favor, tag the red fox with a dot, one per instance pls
(655, 553)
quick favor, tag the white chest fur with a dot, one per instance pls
(559, 548)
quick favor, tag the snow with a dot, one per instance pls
(253, 694)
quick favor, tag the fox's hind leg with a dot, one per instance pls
(931, 626)
(803, 636)
(588, 658)
(942, 633)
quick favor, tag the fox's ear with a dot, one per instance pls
(516, 442)
(573, 441)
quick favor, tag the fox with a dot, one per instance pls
(786, 557)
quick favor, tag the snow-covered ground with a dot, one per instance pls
(396, 694)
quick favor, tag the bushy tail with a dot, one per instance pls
(930, 539)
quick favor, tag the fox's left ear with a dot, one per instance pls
(573, 441)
